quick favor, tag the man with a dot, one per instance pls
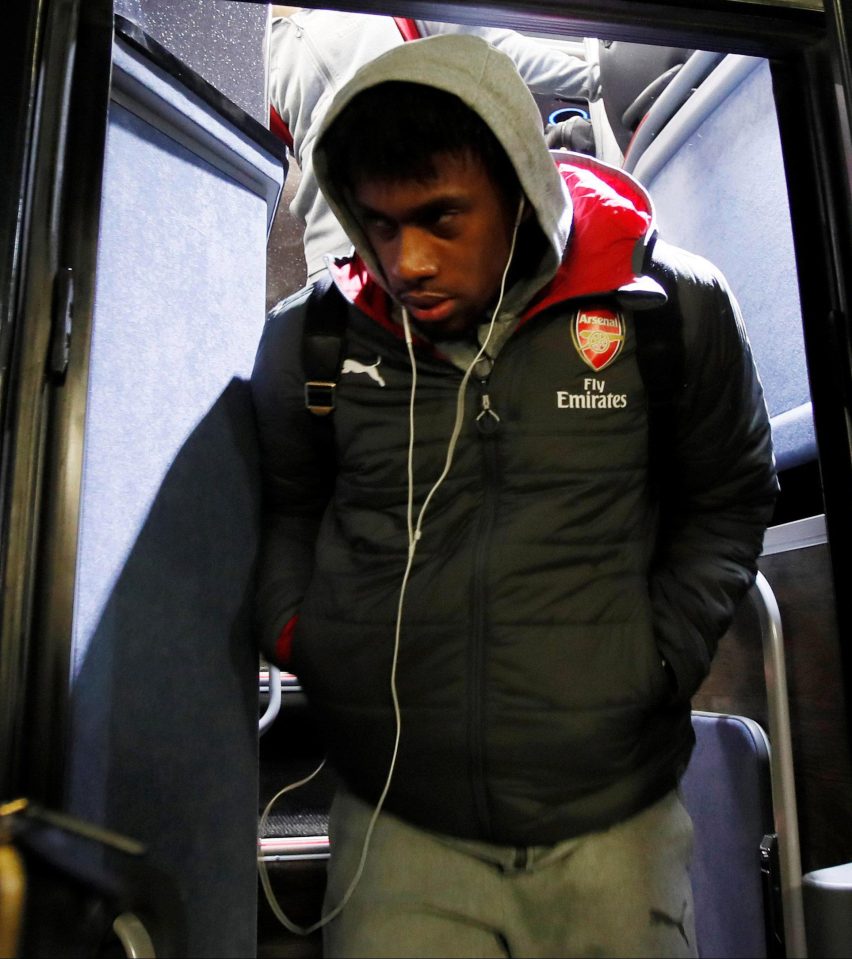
(498, 598)
(313, 53)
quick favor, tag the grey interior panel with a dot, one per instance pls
(164, 678)
(724, 145)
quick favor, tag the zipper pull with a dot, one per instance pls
(488, 421)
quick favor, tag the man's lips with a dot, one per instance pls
(428, 308)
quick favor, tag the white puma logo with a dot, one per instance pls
(354, 366)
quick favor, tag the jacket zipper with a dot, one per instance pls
(488, 425)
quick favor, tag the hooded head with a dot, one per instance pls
(443, 119)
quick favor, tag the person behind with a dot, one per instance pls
(313, 53)
(497, 606)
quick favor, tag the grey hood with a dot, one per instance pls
(488, 82)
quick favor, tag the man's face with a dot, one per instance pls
(443, 244)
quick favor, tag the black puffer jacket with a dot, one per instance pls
(550, 582)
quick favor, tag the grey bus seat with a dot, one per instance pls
(632, 76)
(727, 791)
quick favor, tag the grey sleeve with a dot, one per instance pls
(544, 67)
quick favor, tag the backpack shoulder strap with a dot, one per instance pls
(322, 345)
(660, 354)
(279, 127)
(659, 339)
(408, 28)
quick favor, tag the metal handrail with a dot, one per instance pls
(134, 937)
(695, 70)
(781, 765)
(273, 707)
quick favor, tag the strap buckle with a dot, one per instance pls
(319, 397)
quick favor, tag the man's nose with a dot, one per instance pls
(416, 257)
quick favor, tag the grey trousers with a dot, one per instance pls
(624, 891)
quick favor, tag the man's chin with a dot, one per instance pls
(454, 328)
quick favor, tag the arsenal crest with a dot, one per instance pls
(598, 334)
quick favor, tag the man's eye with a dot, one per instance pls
(380, 227)
(445, 222)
